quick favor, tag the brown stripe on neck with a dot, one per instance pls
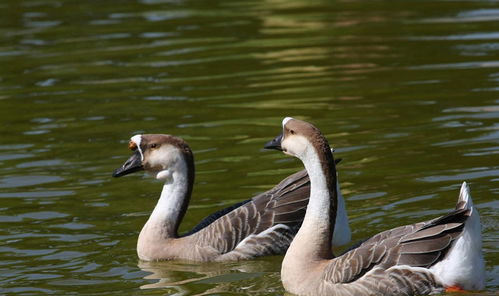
(328, 167)
(189, 160)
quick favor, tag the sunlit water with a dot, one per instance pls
(406, 91)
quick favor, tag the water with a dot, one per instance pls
(406, 91)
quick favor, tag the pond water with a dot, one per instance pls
(406, 91)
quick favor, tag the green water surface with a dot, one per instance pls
(406, 91)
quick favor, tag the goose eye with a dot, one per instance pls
(153, 146)
(292, 132)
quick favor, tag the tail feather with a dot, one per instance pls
(464, 201)
(463, 265)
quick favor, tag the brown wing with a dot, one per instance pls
(264, 225)
(418, 245)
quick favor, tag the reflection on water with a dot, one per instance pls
(405, 91)
(189, 278)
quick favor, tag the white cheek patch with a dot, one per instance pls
(285, 120)
(137, 139)
(295, 145)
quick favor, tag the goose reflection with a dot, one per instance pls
(257, 277)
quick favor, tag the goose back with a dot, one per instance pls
(263, 225)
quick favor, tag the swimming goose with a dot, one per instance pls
(262, 225)
(422, 258)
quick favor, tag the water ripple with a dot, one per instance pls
(470, 174)
(24, 181)
(469, 16)
(464, 65)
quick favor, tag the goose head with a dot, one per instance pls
(158, 154)
(298, 139)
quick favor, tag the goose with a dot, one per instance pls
(442, 254)
(262, 225)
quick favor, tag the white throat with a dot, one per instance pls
(167, 211)
(319, 203)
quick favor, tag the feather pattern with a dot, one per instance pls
(263, 226)
(377, 262)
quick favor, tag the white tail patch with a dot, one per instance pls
(463, 265)
(465, 197)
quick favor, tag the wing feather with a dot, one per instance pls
(417, 245)
(267, 223)
(263, 225)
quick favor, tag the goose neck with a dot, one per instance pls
(320, 217)
(172, 204)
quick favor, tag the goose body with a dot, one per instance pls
(262, 225)
(418, 259)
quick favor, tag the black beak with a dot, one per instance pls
(274, 144)
(132, 165)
